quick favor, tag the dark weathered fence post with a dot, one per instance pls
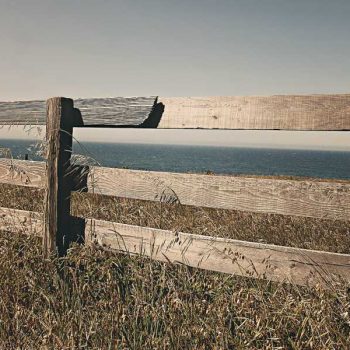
(59, 127)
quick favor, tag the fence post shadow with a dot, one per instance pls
(77, 176)
(154, 117)
(78, 179)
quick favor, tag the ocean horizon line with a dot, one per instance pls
(259, 147)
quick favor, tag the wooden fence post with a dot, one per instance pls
(57, 220)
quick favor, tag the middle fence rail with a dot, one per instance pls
(319, 199)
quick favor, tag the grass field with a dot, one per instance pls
(101, 300)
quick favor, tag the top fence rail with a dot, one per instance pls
(279, 112)
(109, 112)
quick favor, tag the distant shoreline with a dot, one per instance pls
(189, 145)
(204, 159)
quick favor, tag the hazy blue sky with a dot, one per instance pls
(174, 48)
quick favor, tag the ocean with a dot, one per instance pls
(201, 159)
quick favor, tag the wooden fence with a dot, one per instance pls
(318, 199)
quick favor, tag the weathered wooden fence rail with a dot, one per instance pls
(319, 199)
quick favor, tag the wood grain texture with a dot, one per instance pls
(115, 111)
(284, 112)
(23, 112)
(13, 220)
(95, 111)
(277, 263)
(22, 173)
(59, 130)
(319, 199)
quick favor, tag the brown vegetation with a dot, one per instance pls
(101, 300)
(293, 231)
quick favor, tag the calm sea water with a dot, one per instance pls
(221, 160)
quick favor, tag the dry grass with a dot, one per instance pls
(308, 233)
(99, 300)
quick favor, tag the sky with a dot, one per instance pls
(85, 48)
